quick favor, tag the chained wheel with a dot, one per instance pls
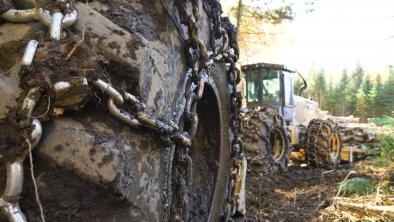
(209, 153)
(323, 144)
(266, 139)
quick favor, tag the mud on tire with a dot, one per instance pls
(323, 144)
(266, 139)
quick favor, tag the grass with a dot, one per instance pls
(358, 186)
(384, 121)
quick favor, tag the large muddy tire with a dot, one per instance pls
(209, 151)
(90, 165)
(266, 139)
(323, 144)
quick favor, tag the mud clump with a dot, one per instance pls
(12, 142)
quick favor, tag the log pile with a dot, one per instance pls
(355, 136)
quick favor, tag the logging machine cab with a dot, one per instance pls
(273, 85)
(270, 85)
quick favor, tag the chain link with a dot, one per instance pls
(199, 60)
(30, 125)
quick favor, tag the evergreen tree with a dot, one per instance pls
(388, 94)
(331, 101)
(362, 106)
(377, 98)
(319, 87)
(353, 88)
(367, 89)
(364, 100)
(341, 94)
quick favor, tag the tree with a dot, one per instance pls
(341, 94)
(355, 83)
(362, 106)
(319, 88)
(364, 100)
(377, 98)
(388, 94)
(256, 24)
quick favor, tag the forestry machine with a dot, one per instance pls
(277, 122)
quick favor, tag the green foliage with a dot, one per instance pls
(356, 94)
(377, 97)
(391, 178)
(340, 96)
(386, 147)
(356, 80)
(388, 94)
(319, 87)
(380, 163)
(388, 187)
(357, 185)
(365, 103)
(384, 121)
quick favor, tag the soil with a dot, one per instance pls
(296, 195)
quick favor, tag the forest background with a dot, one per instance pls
(360, 91)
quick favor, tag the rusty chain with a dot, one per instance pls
(199, 60)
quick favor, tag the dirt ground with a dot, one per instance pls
(296, 195)
(305, 194)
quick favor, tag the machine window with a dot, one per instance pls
(288, 89)
(271, 86)
(253, 86)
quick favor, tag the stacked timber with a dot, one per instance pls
(355, 136)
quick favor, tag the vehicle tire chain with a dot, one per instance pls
(318, 136)
(198, 60)
(256, 128)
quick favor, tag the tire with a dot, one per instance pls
(266, 139)
(210, 150)
(83, 144)
(323, 144)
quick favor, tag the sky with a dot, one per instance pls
(337, 35)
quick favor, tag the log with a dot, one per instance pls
(366, 209)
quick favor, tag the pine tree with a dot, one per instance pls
(388, 94)
(319, 87)
(364, 100)
(331, 102)
(355, 84)
(341, 94)
(377, 98)
(362, 106)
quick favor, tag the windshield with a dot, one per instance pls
(263, 85)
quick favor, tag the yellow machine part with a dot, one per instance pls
(348, 154)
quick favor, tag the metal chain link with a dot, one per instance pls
(14, 181)
(199, 60)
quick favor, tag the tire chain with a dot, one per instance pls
(313, 133)
(199, 60)
(251, 129)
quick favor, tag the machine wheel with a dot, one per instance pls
(209, 151)
(323, 144)
(264, 134)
